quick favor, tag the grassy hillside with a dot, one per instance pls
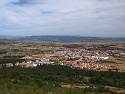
(49, 79)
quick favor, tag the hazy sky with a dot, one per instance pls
(63, 17)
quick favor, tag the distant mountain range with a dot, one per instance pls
(61, 38)
(4, 37)
(69, 38)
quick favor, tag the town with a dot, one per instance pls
(59, 54)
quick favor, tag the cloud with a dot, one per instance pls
(73, 17)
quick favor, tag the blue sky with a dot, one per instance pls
(103, 18)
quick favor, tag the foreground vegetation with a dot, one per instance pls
(48, 79)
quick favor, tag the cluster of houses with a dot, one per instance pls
(85, 65)
(81, 58)
(33, 63)
(75, 58)
(28, 63)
